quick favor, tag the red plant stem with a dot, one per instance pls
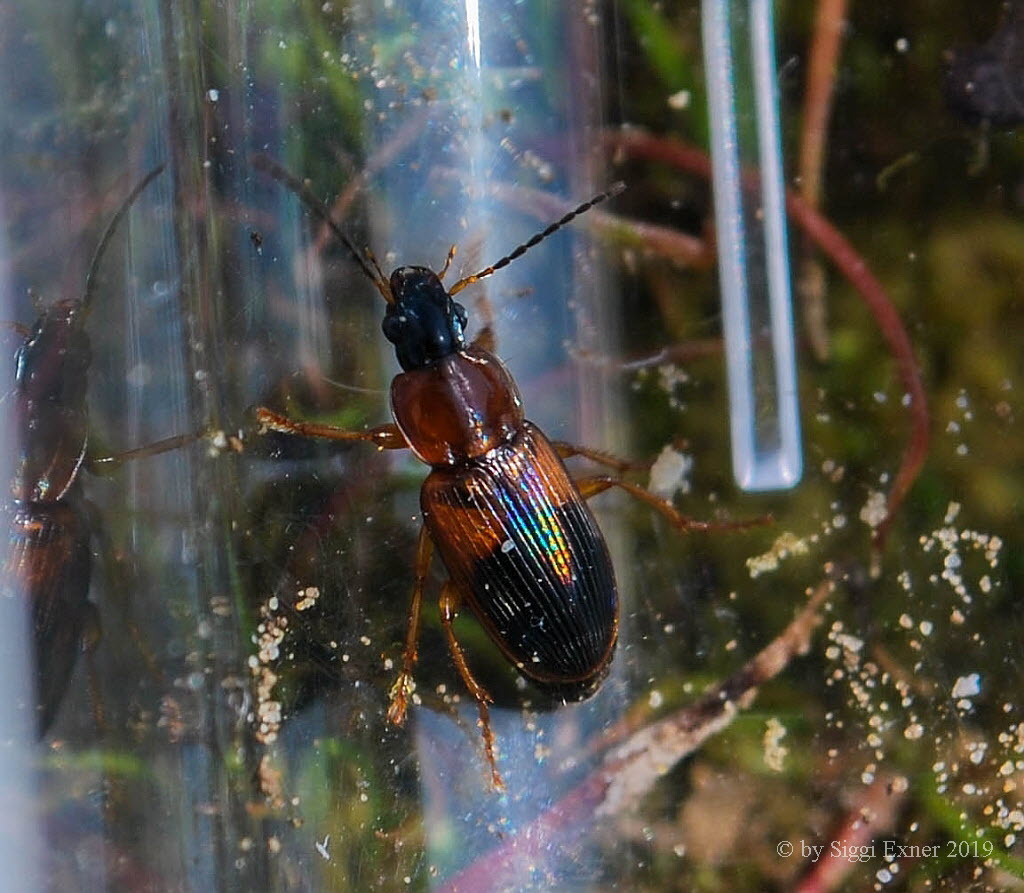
(874, 815)
(826, 39)
(852, 265)
(821, 79)
(638, 144)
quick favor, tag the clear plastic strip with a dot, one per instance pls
(752, 245)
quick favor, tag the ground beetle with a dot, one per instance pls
(520, 545)
(48, 561)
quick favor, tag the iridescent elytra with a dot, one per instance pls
(512, 527)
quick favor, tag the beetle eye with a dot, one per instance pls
(392, 327)
(460, 314)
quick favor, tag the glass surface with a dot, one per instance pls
(426, 124)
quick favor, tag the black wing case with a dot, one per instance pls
(48, 566)
(525, 552)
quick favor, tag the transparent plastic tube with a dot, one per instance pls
(462, 123)
(85, 120)
(513, 101)
(20, 831)
(752, 246)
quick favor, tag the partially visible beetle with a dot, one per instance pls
(48, 560)
(520, 545)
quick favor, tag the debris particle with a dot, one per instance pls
(967, 686)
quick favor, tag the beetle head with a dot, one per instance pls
(423, 323)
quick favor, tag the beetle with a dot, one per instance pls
(521, 547)
(48, 562)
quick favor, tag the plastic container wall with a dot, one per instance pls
(445, 123)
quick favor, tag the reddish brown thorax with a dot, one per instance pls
(458, 409)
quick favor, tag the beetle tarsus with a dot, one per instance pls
(400, 695)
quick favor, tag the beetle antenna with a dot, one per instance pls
(267, 164)
(540, 237)
(447, 262)
(90, 278)
(372, 258)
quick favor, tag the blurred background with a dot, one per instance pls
(427, 124)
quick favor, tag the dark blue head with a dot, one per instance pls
(423, 323)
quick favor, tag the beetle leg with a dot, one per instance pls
(593, 485)
(568, 450)
(92, 633)
(386, 437)
(449, 609)
(403, 688)
(16, 327)
(100, 464)
(120, 585)
(485, 338)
